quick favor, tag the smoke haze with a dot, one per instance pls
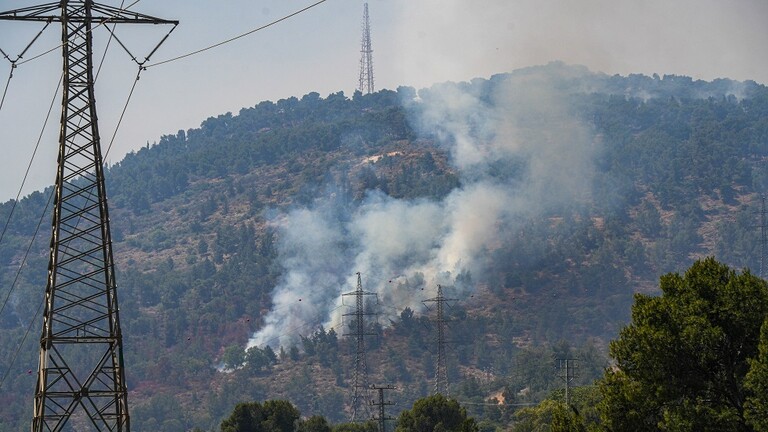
(518, 152)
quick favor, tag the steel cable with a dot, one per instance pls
(232, 39)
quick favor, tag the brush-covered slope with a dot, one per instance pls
(540, 199)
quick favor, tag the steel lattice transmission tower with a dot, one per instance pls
(360, 386)
(567, 371)
(441, 368)
(81, 376)
(366, 56)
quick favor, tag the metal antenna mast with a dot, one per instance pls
(366, 58)
(81, 377)
(441, 369)
(360, 387)
(381, 404)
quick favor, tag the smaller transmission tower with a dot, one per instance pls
(382, 418)
(441, 369)
(360, 387)
(567, 370)
(366, 58)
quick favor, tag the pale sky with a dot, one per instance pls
(415, 42)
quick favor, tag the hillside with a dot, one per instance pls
(541, 199)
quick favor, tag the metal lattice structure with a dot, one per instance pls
(381, 417)
(366, 58)
(567, 371)
(81, 375)
(441, 367)
(359, 332)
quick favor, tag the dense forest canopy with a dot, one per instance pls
(543, 199)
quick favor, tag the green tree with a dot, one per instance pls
(682, 361)
(549, 415)
(756, 410)
(272, 416)
(234, 356)
(436, 414)
(314, 424)
(356, 427)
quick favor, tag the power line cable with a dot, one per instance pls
(50, 196)
(26, 254)
(122, 114)
(102, 23)
(18, 57)
(31, 160)
(39, 308)
(18, 194)
(232, 39)
(98, 71)
(106, 48)
(37, 145)
(23, 339)
(7, 84)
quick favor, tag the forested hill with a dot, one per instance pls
(543, 199)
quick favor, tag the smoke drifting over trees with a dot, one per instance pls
(518, 151)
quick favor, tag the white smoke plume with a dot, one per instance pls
(518, 152)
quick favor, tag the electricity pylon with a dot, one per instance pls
(441, 369)
(360, 386)
(81, 374)
(567, 371)
(366, 56)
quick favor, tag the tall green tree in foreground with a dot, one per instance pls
(757, 385)
(682, 362)
(272, 416)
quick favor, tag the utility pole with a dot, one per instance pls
(381, 404)
(360, 386)
(441, 369)
(567, 371)
(366, 57)
(81, 374)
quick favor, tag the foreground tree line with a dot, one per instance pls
(436, 413)
(694, 358)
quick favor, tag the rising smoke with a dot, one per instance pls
(519, 152)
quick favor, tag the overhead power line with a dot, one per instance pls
(115, 14)
(240, 36)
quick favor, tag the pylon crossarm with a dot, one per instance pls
(102, 14)
(32, 13)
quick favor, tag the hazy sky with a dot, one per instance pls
(415, 42)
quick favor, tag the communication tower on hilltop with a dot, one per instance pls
(81, 376)
(360, 386)
(366, 58)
